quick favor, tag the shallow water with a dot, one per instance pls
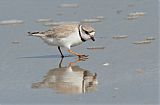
(131, 76)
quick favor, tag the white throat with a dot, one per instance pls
(81, 33)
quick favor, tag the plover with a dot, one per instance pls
(67, 36)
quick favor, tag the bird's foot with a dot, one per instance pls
(82, 57)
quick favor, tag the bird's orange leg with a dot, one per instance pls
(79, 55)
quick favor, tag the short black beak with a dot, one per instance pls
(92, 38)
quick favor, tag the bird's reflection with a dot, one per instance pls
(69, 80)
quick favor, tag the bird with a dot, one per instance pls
(67, 36)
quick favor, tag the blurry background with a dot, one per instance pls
(126, 67)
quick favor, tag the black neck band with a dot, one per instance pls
(83, 40)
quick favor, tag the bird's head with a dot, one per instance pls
(87, 32)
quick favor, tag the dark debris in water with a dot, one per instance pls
(15, 42)
(120, 37)
(95, 48)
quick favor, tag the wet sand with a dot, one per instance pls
(120, 73)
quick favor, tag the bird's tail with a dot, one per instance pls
(38, 34)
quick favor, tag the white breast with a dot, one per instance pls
(71, 40)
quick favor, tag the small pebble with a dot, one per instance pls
(135, 15)
(92, 20)
(69, 5)
(59, 23)
(132, 17)
(106, 64)
(16, 42)
(118, 11)
(59, 13)
(114, 96)
(130, 5)
(94, 48)
(100, 17)
(150, 38)
(120, 37)
(143, 42)
(44, 20)
(140, 71)
(11, 22)
(116, 88)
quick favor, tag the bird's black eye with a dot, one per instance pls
(86, 32)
